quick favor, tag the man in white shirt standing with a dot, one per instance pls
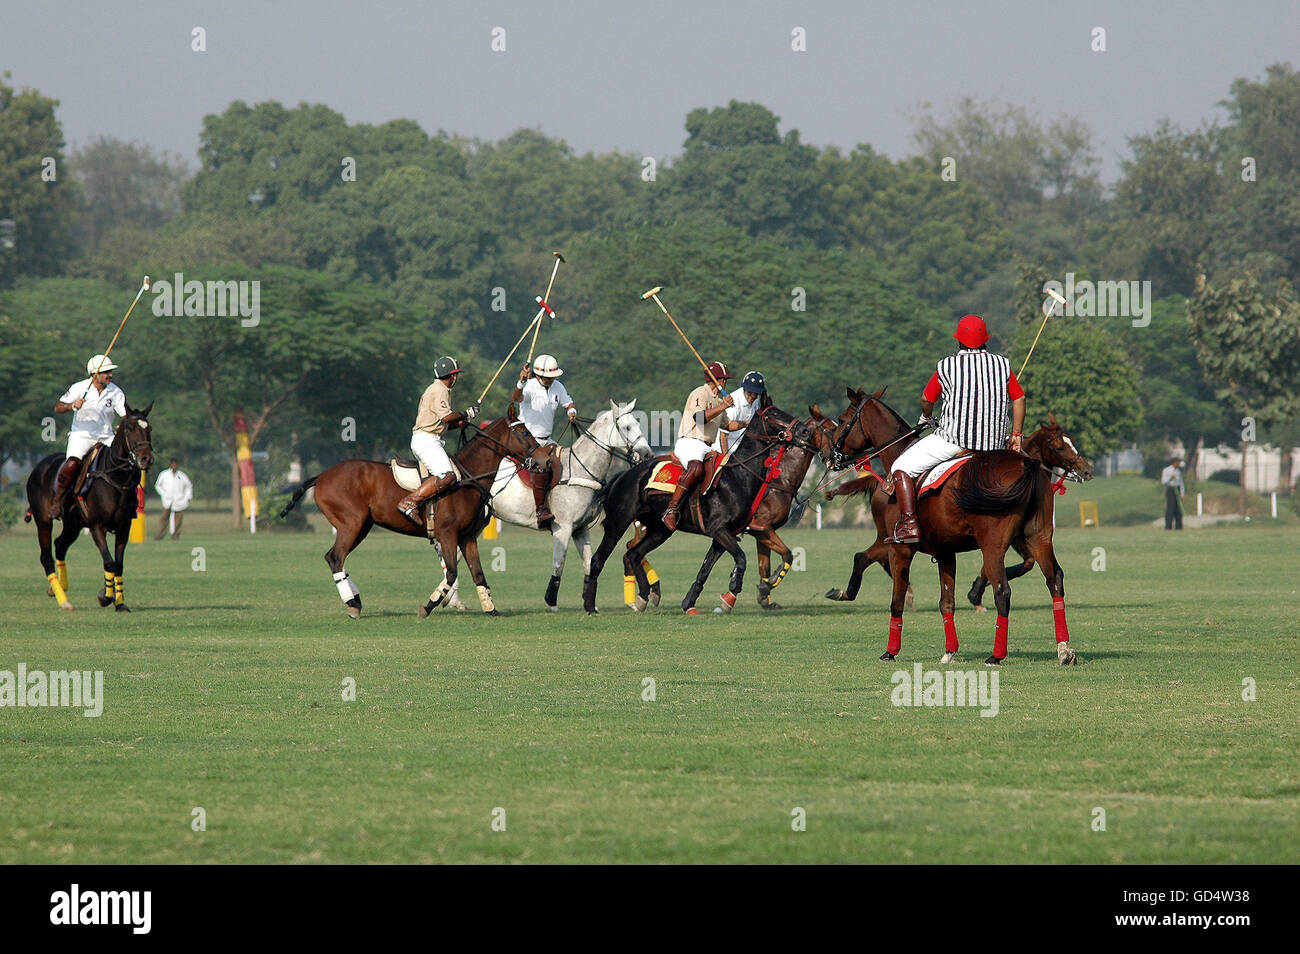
(93, 401)
(1172, 480)
(176, 491)
(741, 413)
(539, 395)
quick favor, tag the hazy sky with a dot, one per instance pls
(605, 75)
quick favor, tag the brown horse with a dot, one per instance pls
(107, 505)
(985, 505)
(1048, 435)
(356, 495)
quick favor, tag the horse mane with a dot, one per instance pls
(898, 418)
(982, 493)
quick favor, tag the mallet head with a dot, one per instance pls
(652, 292)
(1060, 299)
(560, 257)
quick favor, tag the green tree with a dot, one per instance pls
(124, 183)
(41, 209)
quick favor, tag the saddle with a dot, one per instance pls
(934, 479)
(410, 473)
(665, 476)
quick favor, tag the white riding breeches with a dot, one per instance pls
(80, 443)
(924, 454)
(690, 449)
(428, 447)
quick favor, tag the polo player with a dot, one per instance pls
(539, 395)
(94, 401)
(976, 386)
(701, 419)
(431, 422)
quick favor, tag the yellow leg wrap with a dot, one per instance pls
(59, 593)
(118, 596)
(63, 574)
(108, 583)
(785, 568)
(650, 573)
(629, 590)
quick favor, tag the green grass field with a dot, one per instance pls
(223, 690)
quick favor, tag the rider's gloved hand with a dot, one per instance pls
(471, 412)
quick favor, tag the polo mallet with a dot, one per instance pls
(654, 293)
(542, 312)
(1051, 309)
(144, 287)
(544, 301)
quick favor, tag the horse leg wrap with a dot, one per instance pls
(651, 576)
(108, 584)
(59, 593)
(728, 601)
(629, 589)
(785, 568)
(438, 595)
(949, 633)
(119, 595)
(347, 589)
(63, 574)
(485, 599)
(1000, 639)
(895, 635)
(1058, 617)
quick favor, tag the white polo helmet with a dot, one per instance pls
(99, 363)
(546, 366)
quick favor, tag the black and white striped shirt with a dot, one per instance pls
(975, 385)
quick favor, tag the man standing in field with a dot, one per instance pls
(176, 491)
(1171, 478)
(976, 386)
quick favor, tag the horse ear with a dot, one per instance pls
(815, 411)
(1052, 419)
(630, 407)
(512, 414)
(853, 395)
(881, 393)
(145, 412)
(613, 407)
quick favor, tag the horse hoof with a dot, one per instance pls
(837, 595)
(105, 600)
(425, 610)
(728, 602)
(692, 612)
(948, 657)
(993, 661)
(552, 609)
(65, 605)
(353, 611)
(980, 608)
(909, 600)
(654, 595)
(492, 612)
(639, 605)
(887, 657)
(123, 608)
(49, 591)
(1065, 655)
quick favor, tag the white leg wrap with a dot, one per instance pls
(485, 599)
(437, 595)
(347, 589)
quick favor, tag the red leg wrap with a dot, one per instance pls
(1000, 639)
(895, 634)
(949, 633)
(1058, 616)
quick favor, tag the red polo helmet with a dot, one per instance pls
(971, 331)
(718, 371)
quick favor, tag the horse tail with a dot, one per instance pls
(305, 486)
(982, 493)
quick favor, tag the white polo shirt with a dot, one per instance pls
(95, 419)
(175, 489)
(742, 411)
(538, 407)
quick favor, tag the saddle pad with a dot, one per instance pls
(665, 474)
(409, 478)
(933, 480)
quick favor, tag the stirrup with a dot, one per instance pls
(895, 537)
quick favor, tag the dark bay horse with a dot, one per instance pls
(985, 505)
(108, 505)
(723, 514)
(357, 495)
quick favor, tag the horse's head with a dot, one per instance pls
(515, 439)
(628, 431)
(777, 426)
(866, 423)
(1056, 449)
(134, 437)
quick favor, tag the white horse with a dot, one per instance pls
(586, 468)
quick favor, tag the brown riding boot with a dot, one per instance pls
(694, 471)
(906, 530)
(544, 516)
(410, 504)
(67, 474)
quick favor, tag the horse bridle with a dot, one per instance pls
(839, 460)
(623, 455)
(132, 461)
